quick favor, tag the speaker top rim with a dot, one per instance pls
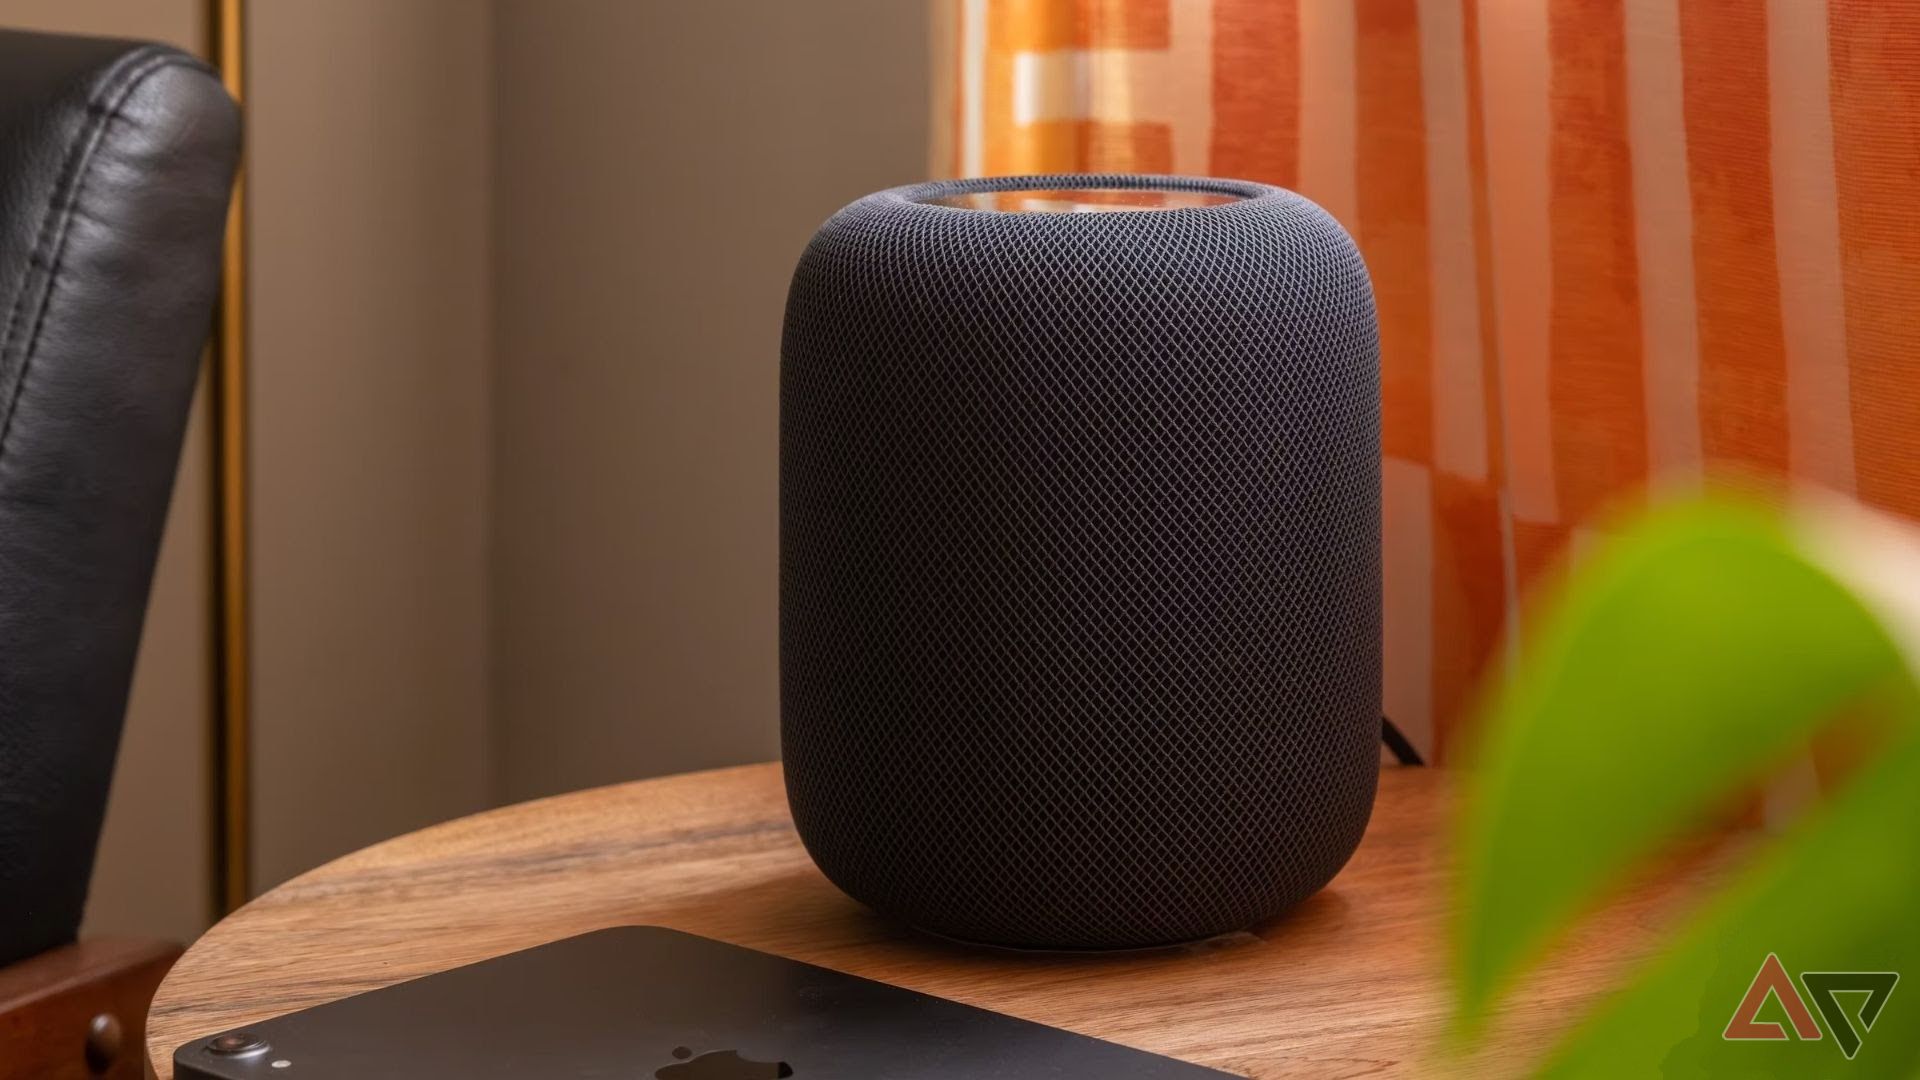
(941, 196)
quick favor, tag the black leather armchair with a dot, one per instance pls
(116, 162)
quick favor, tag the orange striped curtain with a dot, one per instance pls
(1614, 242)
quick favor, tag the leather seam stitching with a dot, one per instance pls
(104, 106)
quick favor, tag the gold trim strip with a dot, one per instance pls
(232, 807)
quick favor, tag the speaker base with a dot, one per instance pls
(1227, 939)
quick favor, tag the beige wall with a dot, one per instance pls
(658, 167)
(368, 127)
(517, 273)
(153, 875)
(370, 203)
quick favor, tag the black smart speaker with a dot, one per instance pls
(1080, 555)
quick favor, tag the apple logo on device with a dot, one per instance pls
(722, 1065)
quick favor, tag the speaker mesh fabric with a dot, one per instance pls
(1080, 561)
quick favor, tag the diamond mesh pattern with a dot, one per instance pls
(1080, 561)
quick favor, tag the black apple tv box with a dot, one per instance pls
(645, 1001)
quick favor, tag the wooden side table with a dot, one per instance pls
(1348, 984)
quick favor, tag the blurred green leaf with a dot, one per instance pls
(1838, 894)
(1690, 652)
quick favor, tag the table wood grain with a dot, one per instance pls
(1349, 984)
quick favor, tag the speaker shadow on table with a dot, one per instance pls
(800, 914)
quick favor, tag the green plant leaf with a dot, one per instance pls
(1690, 652)
(1836, 895)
